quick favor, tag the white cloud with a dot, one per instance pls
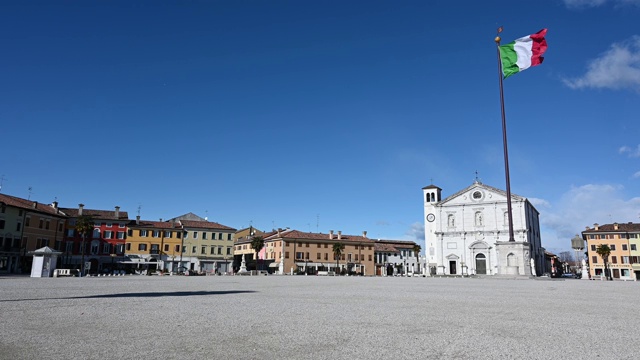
(579, 4)
(416, 232)
(636, 175)
(583, 206)
(617, 68)
(630, 151)
(539, 203)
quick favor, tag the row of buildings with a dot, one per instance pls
(186, 242)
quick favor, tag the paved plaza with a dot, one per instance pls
(298, 317)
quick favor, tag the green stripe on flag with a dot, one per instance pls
(509, 58)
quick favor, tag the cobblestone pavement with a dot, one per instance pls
(298, 317)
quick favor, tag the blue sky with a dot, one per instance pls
(319, 115)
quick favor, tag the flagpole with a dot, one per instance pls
(504, 139)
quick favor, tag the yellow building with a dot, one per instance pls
(26, 225)
(288, 251)
(154, 244)
(208, 246)
(622, 239)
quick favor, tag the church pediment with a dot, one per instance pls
(452, 257)
(478, 193)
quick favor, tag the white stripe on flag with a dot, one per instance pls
(522, 47)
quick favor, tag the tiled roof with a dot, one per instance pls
(295, 234)
(97, 214)
(393, 245)
(29, 205)
(205, 225)
(154, 224)
(383, 247)
(610, 228)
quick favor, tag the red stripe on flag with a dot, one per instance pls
(538, 47)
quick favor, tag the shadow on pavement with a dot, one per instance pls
(144, 294)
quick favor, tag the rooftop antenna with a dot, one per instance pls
(139, 207)
(317, 222)
(2, 179)
(30, 189)
(206, 215)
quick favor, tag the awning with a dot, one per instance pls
(274, 265)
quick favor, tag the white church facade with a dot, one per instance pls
(468, 233)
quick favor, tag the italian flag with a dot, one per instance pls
(523, 53)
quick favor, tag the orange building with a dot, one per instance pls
(154, 244)
(295, 251)
(621, 239)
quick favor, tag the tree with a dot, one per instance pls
(257, 243)
(416, 250)
(337, 252)
(604, 251)
(84, 226)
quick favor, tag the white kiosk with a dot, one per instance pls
(44, 262)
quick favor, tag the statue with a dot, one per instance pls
(478, 218)
(533, 267)
(452, 221)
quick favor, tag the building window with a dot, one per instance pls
(142, 247)
(319, 256)
(39, 225)
(106, 248)
(128, 246)
(598, 272)
(167, 234)
(286, 254)
(594, 259)
(624, 247)
(193, 249)
(120, 235)
(166, 247)
(95, 247)
(625, 259)
(633, 246)
(203, 250)
(156, 233)
(109, 224)
(121, 225)
(184, 249)
(228, 250)
(204, 235)
(614, 260)
(68, 246)
(326, 256)
(177, 249)
(18, 225)
(60, 227)
(228, 236)
(219, 236)
(143, 233)
(155, 249)
(195, 234)
(27, 221)
(212, 250)
(96, 233)
(612, 247)
(370, 257)
(219, 250)
(306, 244)
(46, 225)
(108, 234)
(130, 232)
(593, 248)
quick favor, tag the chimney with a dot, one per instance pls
(587, 228)
(160, 219)
(330, 234)
(278, 232)
(339, 235)
(80, 207)
(138, 220)
(35, 204)
(364, 234)
(117, 212)
(595, 226)
(615, 226)
(55, 205)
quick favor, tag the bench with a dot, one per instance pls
(62, 272)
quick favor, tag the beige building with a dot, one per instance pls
(293, 251)
(624, 260)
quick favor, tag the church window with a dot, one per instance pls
(477, 195)
(428, 197)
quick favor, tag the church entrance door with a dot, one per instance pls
(481, 264)
(452, 267)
